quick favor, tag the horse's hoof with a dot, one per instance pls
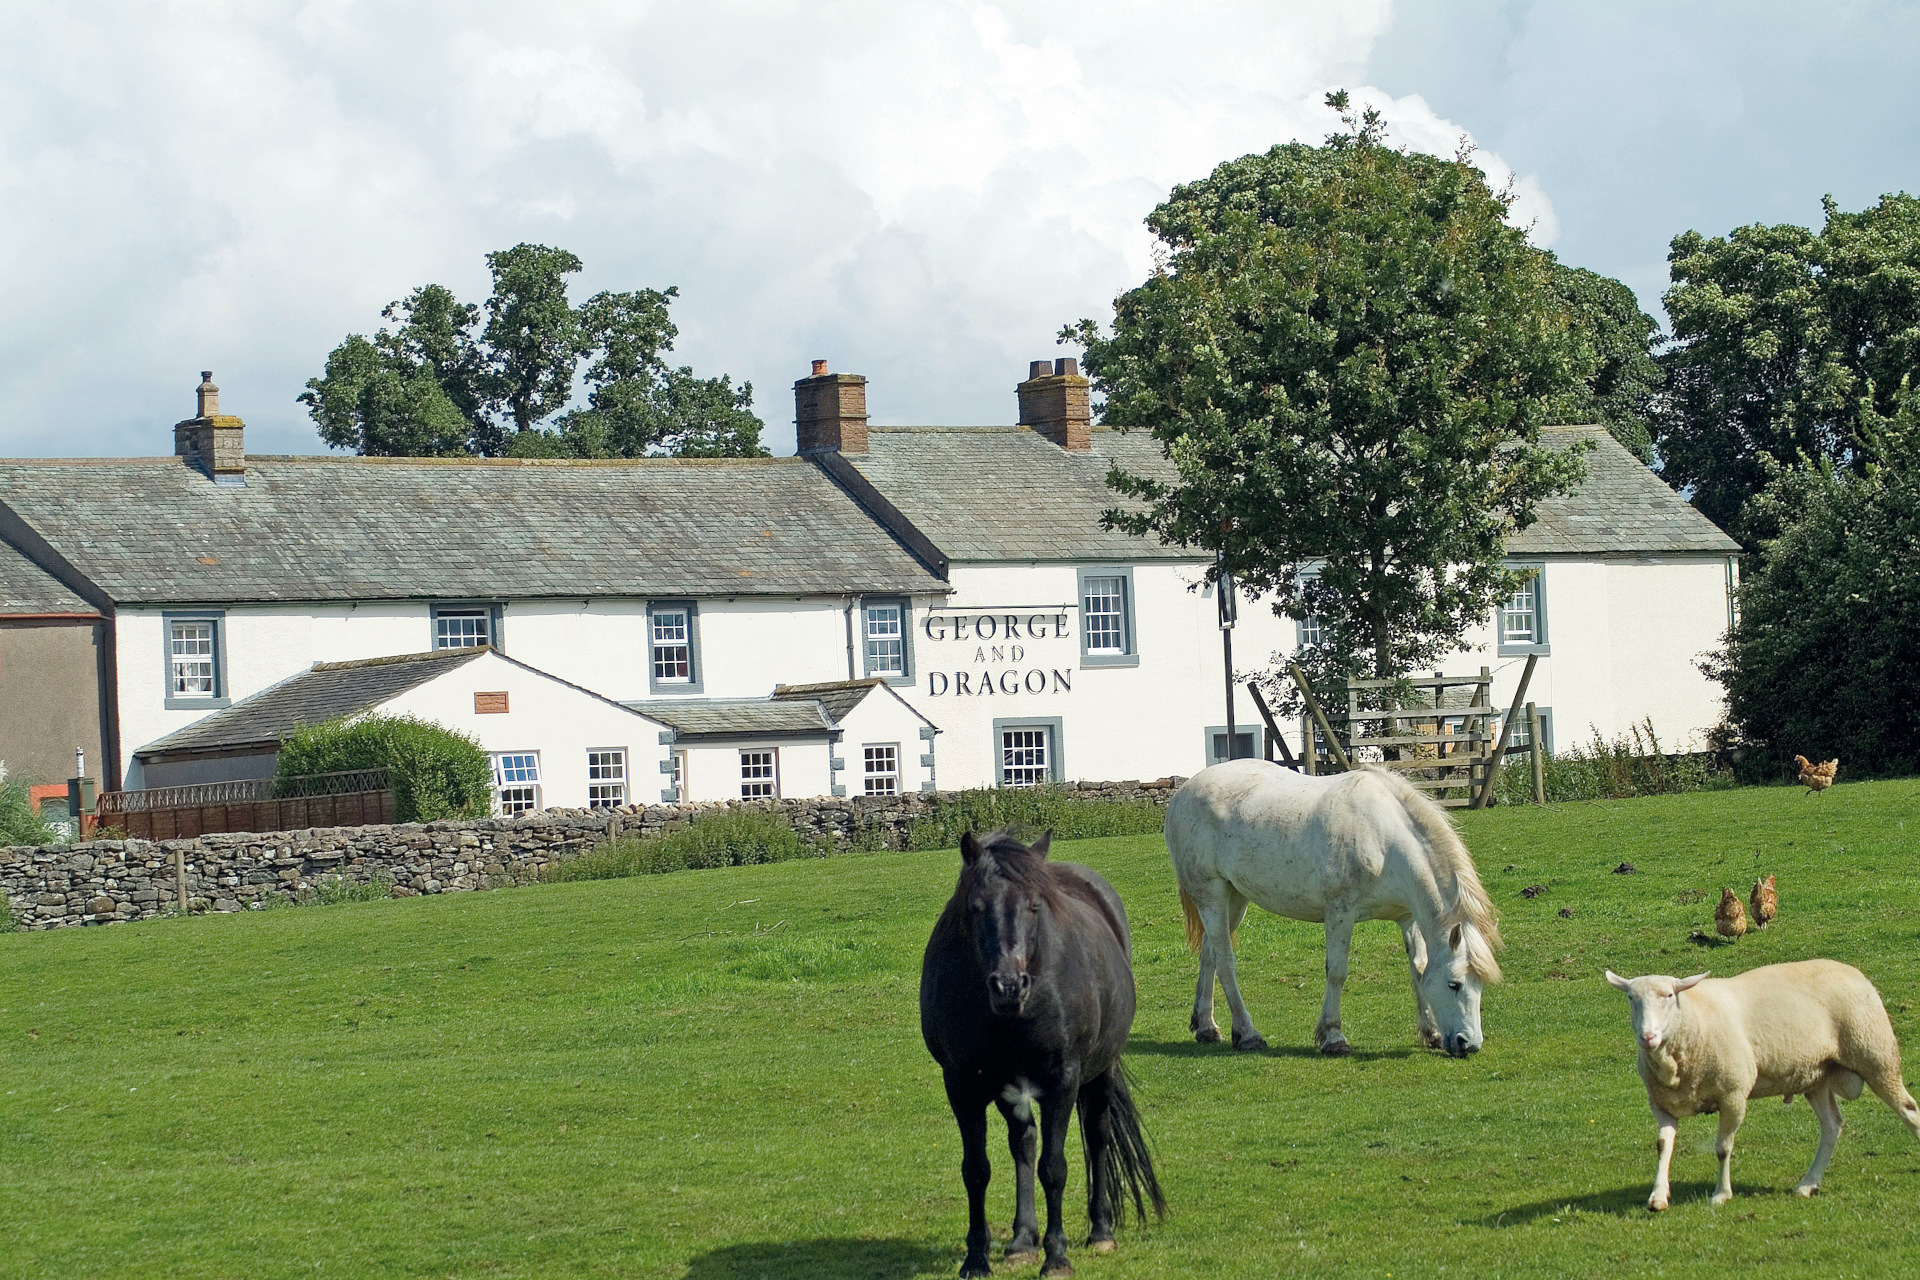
(1103, 1246)
(1805, 1192)
(968, 1270)
(1251, 1044)
(1208, 1035)
(1335, 1049)
(1021, 1257)
(1053, 1269)
(1656, 1205)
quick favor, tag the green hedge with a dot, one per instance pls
(1632, 765)
(721, 838)
(437, 773)
(19, 824)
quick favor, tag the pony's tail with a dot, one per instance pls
(1196, 931)
(1123, 1161)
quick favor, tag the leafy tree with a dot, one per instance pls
(1825, 658)
(1779, 332)
(1346, 356)
(441, 382)
(1626, 381)
(437, 773)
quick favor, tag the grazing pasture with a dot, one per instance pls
(719, 1074)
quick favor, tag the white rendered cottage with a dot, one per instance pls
(895, 608)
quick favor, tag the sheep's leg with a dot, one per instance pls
(1827, 1108)
(1429, 1028)
(1668, 1129)
(1339, 942)
(1732, 1112)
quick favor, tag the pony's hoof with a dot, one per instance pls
(1208, 1035)
(1251, 1044)
(1335, 1049)
(1103, 1246)
(1053, 1269)
(1021, 1257)
(970, 1269)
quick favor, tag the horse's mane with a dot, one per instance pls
(1002, 855)
(1465, 900)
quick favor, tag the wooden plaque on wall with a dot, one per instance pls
(490, 704)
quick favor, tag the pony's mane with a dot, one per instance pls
(1465, 900)
(1004, 857)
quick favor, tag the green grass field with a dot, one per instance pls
(719, 1074)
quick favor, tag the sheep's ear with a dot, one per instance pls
(1684, 983)
(1619, 983)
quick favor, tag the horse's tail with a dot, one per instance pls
(1122, 1161)
(1196, 930)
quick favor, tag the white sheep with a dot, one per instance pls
(1816, 1027)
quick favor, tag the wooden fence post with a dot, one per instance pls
(1320, 718)
(1533, 750)
(1506, 731)
(180, 877)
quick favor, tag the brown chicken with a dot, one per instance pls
(1765, 901)
(1817, 777)
(1729, 918)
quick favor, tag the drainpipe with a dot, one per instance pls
(851, 675)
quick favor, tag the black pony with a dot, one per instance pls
(1026, 997)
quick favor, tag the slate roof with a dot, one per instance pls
(27, 588)
(1622, 507)
(327, 690)
(1007, 494)
(153, 530)
(694, 718)
(836, 697)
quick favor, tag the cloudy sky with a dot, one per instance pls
(921, 191)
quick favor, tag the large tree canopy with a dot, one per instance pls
(441, 382)
(1779, 334)
(1347, 355)
(1824, 660)
(1624, 381)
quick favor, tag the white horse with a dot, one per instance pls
(1339, 849)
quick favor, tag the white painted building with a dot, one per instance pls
(745, 608)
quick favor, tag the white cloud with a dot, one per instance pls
(922, 192)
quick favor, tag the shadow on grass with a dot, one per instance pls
(1194, 1049)
(1621, 1202)
(826, 1259)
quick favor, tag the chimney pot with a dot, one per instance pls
(830, 412)
(209, 395)
(1054, 401)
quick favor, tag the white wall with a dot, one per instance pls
(713, 769)
(560, 722)
(883, 718)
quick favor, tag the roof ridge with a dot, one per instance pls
(394, 659)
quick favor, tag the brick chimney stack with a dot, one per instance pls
(1055, 402)
(212, 441)
(830, 411)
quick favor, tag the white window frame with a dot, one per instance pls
(901, 674)
(691, 682)
(216, 695)
(607, 775)
(1052, 762)
(886, 756)
(1127, 654)
(1307, 631)
(750, 783)
(1536, 592)
(488, 630)
(679, 768)
(532, 785)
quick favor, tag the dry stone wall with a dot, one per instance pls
(104, 881)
